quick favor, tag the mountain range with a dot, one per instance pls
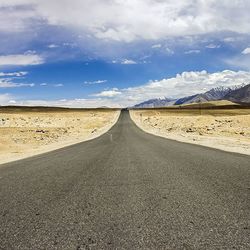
(237, 94)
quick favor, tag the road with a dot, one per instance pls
(126, 190)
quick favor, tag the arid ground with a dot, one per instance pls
(226, 129)
(28, 131)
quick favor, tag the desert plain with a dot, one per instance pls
(26, 131)
(224, 128)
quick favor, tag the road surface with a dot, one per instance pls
(126, 190)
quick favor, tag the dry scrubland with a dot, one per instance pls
(226, 129)
(26, 132)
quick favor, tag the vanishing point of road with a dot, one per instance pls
(126, 190)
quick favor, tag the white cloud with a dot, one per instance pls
(184, 84)
(6, 80)
(58, 85)
(156, 46)
(52, 46)
(246, 51)
(108, 93)
(7, 83)
(169, 51)
(5, 99)
(21, 60)
(193, 51)
(241, 62)
(130, 20)
(128, 61)
(213, 46)
(13, 74)
(70, 103)
(95, 82)
(230, 39)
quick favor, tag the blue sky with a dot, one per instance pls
(82, 53)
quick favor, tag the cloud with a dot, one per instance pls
(193, 51)
(5, 99)
(128, 61)
(184, 84)
(213, 46)
(6, 80)
(156, 46)
(246, 51)
(241, 62)
(58, 85)
(7, 83)
(52, 46)
(95, 82)
(70, 103)
(13, 74)
(169, 51)
(21, 60)
(108, 93)
(129, 20)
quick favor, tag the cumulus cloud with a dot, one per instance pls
(21, 60)
(132, 19)
(246, 51)
(184, 84)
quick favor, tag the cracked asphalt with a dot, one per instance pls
(126, 190)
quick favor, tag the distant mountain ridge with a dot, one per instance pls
(237, 93)
(157, 102)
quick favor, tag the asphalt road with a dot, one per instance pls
(126, 190)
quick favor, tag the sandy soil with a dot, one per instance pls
(227, 130)
(24, 134)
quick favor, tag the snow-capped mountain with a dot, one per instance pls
(158, 102)
(237, 93)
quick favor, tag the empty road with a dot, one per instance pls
(126, 190)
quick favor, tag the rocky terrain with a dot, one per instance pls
(241, 95)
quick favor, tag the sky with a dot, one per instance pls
(117, 53)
